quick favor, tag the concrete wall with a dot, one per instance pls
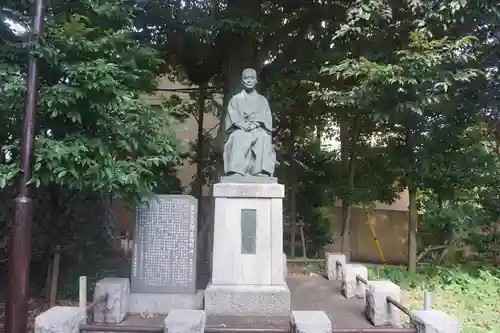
(391, 228)
(400, 204)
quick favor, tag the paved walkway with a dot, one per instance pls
(308, 293)
(317, 293)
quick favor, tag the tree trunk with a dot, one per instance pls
(347, 204)
(292, 178)
(320, 127)
(200, 176)
(496, 228)
(344, 149)
(412, 229)
(412, 205)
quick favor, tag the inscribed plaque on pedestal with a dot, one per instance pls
(164, 259)
(248, 231)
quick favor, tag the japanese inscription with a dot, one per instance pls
(248, 231)
(164, 259)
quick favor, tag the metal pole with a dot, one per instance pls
(361, 280)
(427, 300)
(400, 306)
(16, 312)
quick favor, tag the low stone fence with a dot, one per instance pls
(109, 309)
(382, 307)
(383, 299)
(66, 319)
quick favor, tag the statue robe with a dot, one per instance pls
(252, 152)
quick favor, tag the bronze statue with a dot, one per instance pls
(248, 150)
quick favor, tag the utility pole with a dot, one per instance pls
(16, 312)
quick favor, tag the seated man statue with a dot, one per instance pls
(249, 150)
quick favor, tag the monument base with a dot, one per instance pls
(247, 300)
(163, 303)
(237, 179)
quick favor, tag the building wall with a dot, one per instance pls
(400, 204)
(187, 131)
(390, 221)
(391, 228)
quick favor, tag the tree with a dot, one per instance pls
(95, 129)
(97, 136)
(403, 83)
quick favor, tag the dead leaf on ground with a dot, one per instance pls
(147, 315)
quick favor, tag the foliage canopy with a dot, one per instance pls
(95, 128)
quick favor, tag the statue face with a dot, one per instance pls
(249, 79)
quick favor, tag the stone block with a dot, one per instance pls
(434, 321)
(59, 319)
(247, 300)
(232, 264)
(114, 310)
(249, 190)
(248, 179)
(185, 321)
(163, 303)
(351, 287)
(377, 309)
(285, 267)
(311, 322)
(334, 271)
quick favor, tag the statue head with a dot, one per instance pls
(249, 78)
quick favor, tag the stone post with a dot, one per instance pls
(377, 309)
(334, 271)
(114, 310)
(434, 321)
(59, 319)
(185, 321)
(310, 322)
(351, 287)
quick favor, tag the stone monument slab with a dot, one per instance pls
(164, 259)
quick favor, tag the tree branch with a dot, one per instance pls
(271, 45)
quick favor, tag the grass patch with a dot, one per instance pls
(472, 295)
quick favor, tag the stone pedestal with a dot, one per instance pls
(114, 310)
(247, 268)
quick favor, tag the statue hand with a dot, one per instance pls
(253, 125)
(242, 125)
